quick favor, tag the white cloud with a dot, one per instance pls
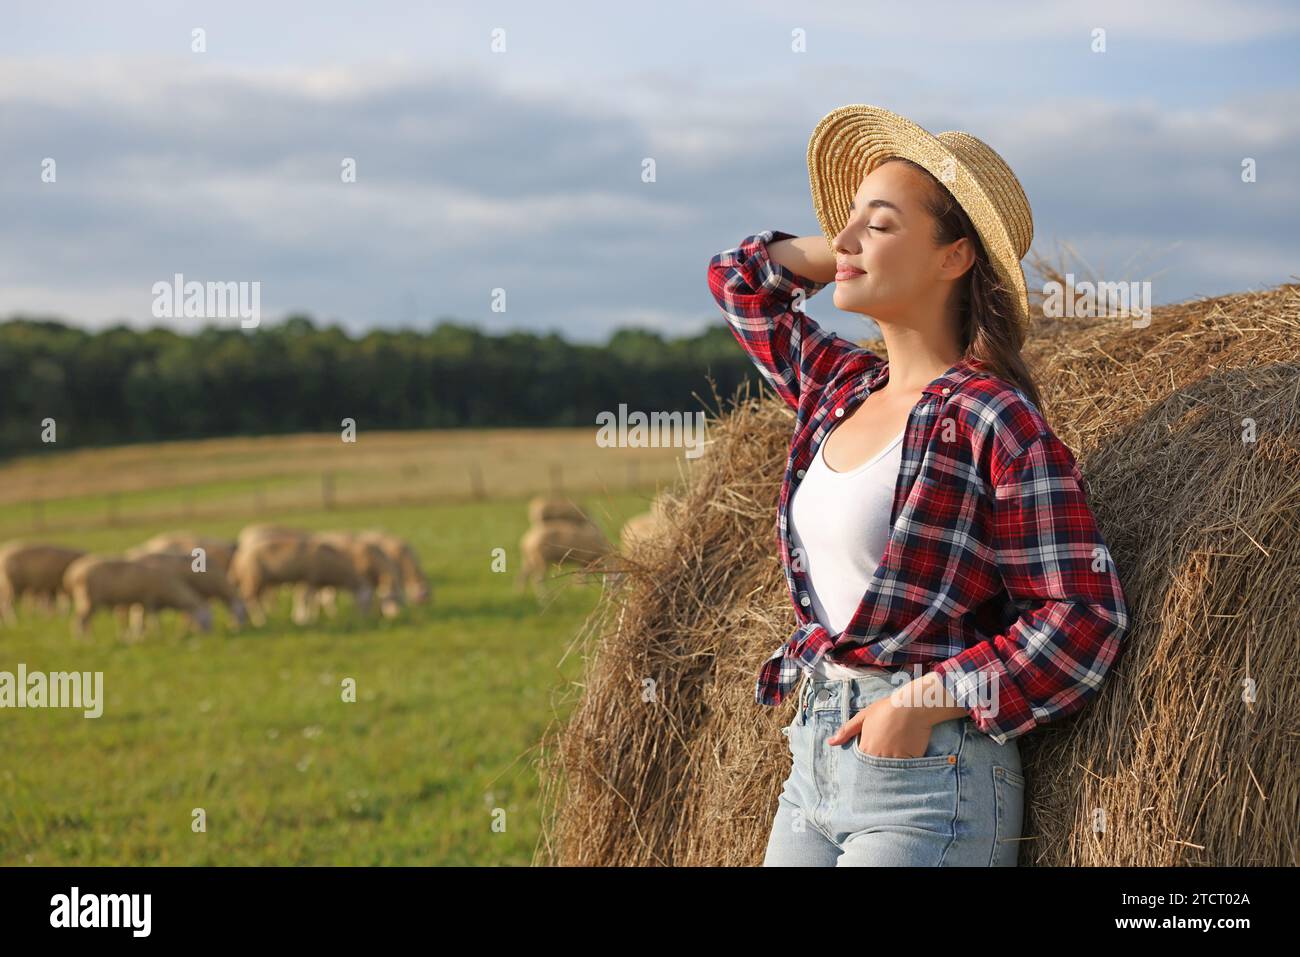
(475, 172)
(1166, 21)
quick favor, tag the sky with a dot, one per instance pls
(500, 146)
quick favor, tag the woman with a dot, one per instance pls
(951, 587)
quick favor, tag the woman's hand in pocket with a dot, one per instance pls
(886, 730)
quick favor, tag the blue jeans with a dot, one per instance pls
(960, 804)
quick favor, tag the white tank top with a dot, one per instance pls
(839, 521)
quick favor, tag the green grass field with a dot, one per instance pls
(210, 481)
(251, 727)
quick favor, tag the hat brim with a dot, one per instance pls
(851, 141)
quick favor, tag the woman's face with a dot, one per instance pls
(889, 236)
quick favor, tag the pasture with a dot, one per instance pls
(249, 725)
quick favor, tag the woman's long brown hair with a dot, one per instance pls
(988, 331)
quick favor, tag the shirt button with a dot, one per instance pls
(803, 600)
(946, 390)
(839, 413)
(799, 473)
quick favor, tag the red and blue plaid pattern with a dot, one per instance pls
(995, 574)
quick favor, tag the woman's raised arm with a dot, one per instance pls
(761, 286)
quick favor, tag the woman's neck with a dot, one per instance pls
(916, 358)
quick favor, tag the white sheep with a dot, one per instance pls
(97, 582)
(641, 529)
(217, 551)
(408, 574)
(266, 530)
(264, 562)
(211, 584)
(372, 563)
(414, 581)
(548, 508)
(258, 530)
(558, 543)
(30, 568)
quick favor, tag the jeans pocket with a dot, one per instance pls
(942, 750)
(1009, 798)
(926, 760)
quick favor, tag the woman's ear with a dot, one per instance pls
(960, 258)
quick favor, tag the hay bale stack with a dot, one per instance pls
(666, 758)
(1188, 435)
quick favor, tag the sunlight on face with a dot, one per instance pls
(889, 235)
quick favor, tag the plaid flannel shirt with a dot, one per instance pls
(995, 574)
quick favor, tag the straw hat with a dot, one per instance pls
(851, 141)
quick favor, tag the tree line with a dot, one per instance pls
(121, 385)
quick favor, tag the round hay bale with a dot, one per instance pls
(1188, 435)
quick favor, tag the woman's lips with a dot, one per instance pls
(848, 272)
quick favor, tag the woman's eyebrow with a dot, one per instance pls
(879, 204)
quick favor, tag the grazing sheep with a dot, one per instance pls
(264, 562)
(412, 584)
(557, 543)
(546, 508)
(96, 582)
(29, 568)
(217, 551)
(263, 530)
(372, 563)
(641, 529)
(415, 584)
(267, 530)
(211, 583)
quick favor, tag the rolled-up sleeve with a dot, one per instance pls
(763, 303)
(1057, 569)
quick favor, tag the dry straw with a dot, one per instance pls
(1188, 434)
